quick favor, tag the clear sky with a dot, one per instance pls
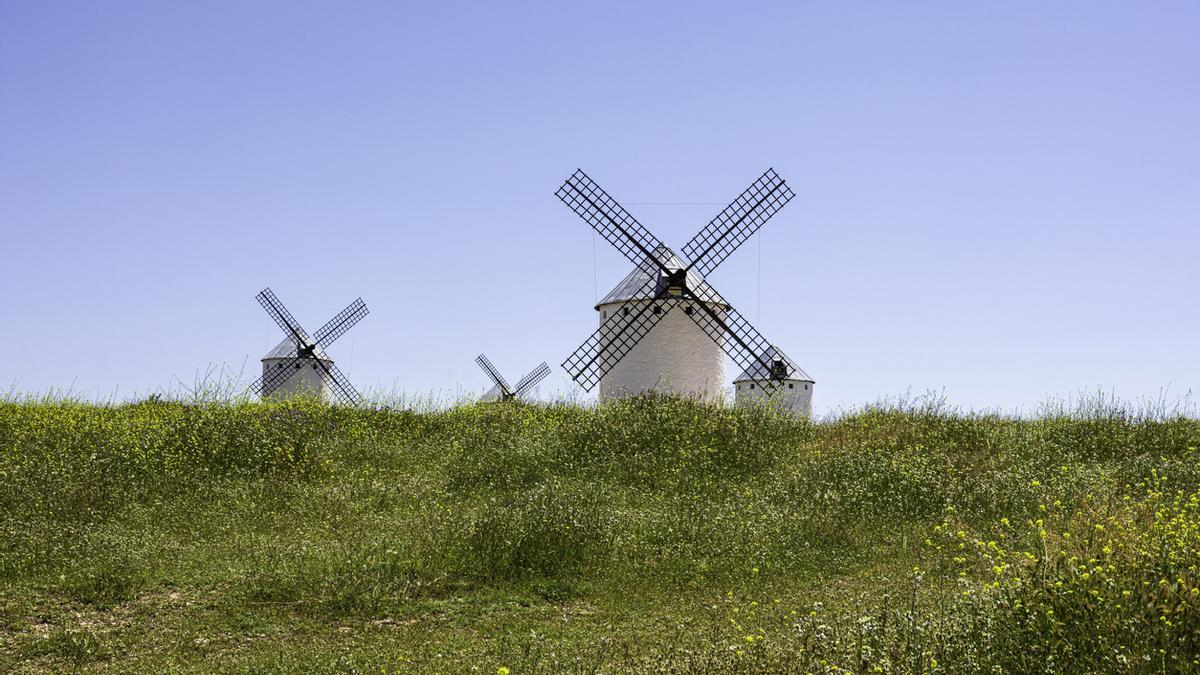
(995, 200)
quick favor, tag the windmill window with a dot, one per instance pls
(806, 386)
(624, 310)
(791, 386)
(657, 309)
(688, 310)
(751, 385)
(604, 314)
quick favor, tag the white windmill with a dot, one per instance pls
(298, 365)
(642, 343)
(782, 384)
(500, 390)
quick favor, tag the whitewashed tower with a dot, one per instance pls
(678, 356)
(308, 377)
(664, 328)
(781, 383)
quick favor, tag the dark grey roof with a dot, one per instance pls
(760, 373)
(287, 348)
(635, 286)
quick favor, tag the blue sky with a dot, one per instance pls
(994, 200)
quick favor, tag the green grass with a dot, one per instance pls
(651, 534)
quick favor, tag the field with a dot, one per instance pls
(651, 534)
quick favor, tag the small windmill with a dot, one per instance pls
(685, 356)
(299, 363)
(501, 391)
(781, 385)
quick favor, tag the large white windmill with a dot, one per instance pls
(664, 328)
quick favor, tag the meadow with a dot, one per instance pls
(645, 535)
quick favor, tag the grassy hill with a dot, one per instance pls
(648, 534)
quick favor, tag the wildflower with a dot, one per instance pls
(502, 671)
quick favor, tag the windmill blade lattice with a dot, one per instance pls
(527, 383)
(492, 372)
(737, 223)
(282, 316)
(340, 323)
(615, 337)
(342, 389)
(273, 378)
(612, 221)
(737, 336)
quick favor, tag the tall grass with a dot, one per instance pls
(678, 535)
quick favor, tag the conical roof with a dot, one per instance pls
(287, 348)
(634, 285)
(761, 373)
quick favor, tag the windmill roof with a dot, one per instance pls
(631, 287)
(760, 373)
(287, 347)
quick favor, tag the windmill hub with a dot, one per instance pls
(677, 281)
(779, 369)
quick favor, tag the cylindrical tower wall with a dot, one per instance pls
(675, 357)
(310, 379)
(793, 395)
